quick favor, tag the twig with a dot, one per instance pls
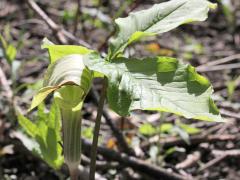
(189, 161)
(6, 87)
(219, 67)
(220, 61)
(197, 139)
(134, 6)
(96, 130)
(220, 155)
(230, 114)
(213, 162)
(28, 21)
(105, 43)
(48, 21)
(9, 94)
(230, 153)
(139, 165)
(212, 130)
(60, 33)
(100, 165)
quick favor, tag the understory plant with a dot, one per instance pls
(162, 84)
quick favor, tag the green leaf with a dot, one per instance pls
(40, 96)
(147, 129)
(87, 132)
(160, 18)
(46, 133)
(189, 129)
(11, 53)
(231, 87)
(54, 118)
(9, 50)
(182, 133)
(166, 127)
(228, 11)
(69, 70)
(49, 137)
(28, 126)
(169, 151)
(158, 84)
(57, 52)
(3, 42)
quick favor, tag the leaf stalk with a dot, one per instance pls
(96, 130)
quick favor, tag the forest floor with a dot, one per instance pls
(190, 148)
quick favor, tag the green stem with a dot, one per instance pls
(96, 131)
(71, 123)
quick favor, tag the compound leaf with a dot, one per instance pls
(158, 19)
(161, 84)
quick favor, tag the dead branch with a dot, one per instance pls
(230, 113)
(189, 161)
(194, 140)
(229, 153)
(137, 164)
(213, 162)
(5, 85)
(219, 67)
(219, 61)
(61, 34)
(220, 155)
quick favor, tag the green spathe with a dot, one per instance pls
(70, 70)
(70, 80)
(57, 52)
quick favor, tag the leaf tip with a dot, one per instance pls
(45, 43)
(41, 95)
(212, 5)
(193, 76)
(33, 105)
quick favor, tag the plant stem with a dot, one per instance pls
(71, 123)
(96, 130)
(74, 174)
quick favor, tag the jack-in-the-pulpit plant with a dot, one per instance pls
(151, 83)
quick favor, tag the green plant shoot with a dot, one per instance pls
(150, 83)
